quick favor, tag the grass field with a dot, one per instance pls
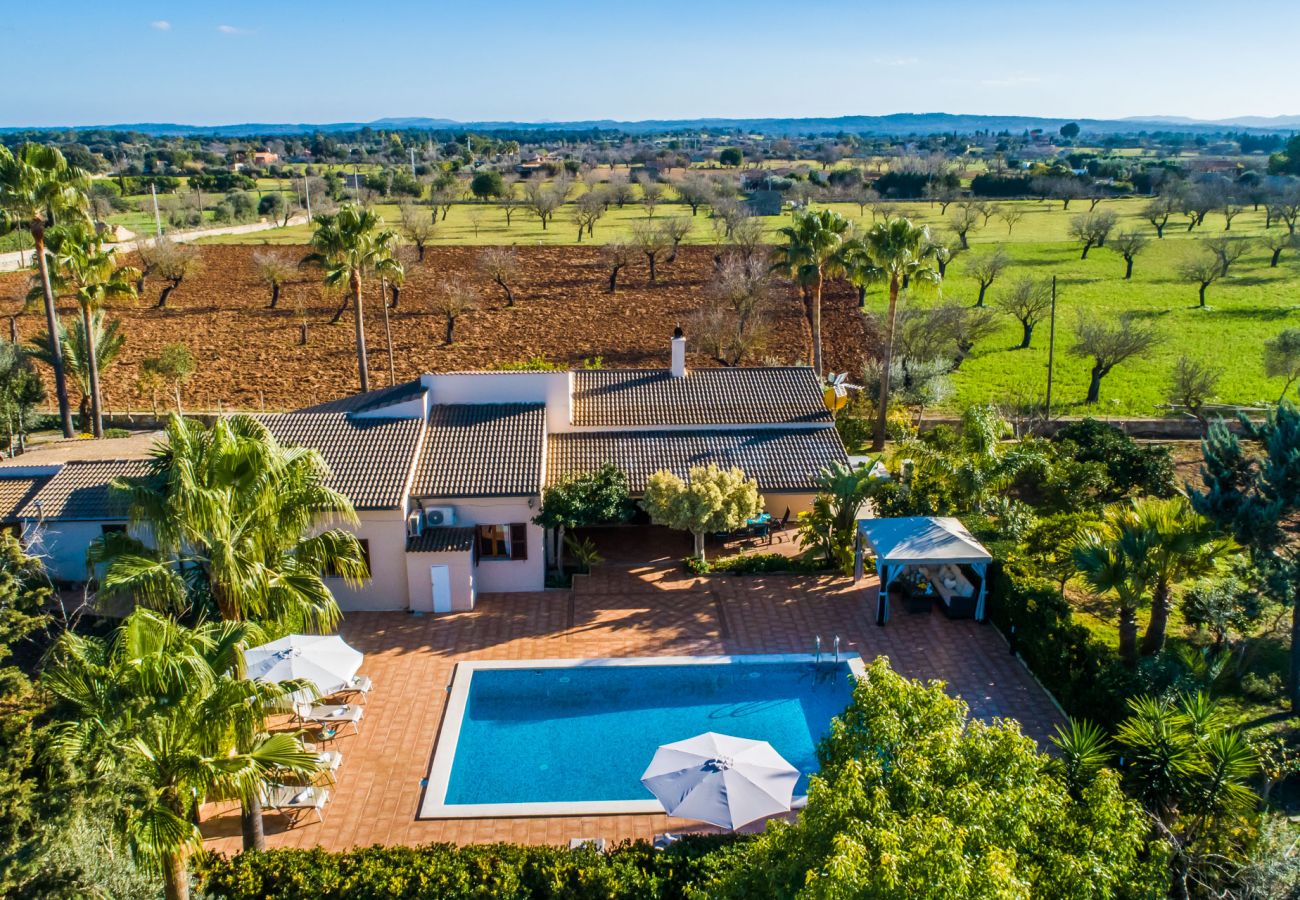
(1252, 304)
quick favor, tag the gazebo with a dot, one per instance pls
(925, 557)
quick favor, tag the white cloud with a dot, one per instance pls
(161, 25)
(231, 29)
(897, 61)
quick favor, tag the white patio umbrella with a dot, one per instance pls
(723, 780)
(323, 659)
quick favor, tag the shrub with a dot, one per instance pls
(116, 433)
(447, 872)
(754, 564)
(1134, 469)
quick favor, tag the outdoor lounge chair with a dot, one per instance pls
(361, 685)
(295, 799)
(597, 844)
(776, 528)
(330, 761)
(328, 715)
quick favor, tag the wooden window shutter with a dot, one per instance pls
(518, 540)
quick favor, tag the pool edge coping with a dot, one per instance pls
(432, 805)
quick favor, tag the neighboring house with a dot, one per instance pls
(265, 158)
(447, 471)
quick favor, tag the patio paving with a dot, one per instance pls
(651, 609)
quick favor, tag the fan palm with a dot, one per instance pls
(108, 341)
(349, 245)
(979, 464)
(38, 189)
(898, 253)
(811, 254)
(160, 706)
(88, 272)
(1114, 563)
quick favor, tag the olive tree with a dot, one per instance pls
(986, 269)
(710, 500)
(1028, 300)
(1129, 244)
(1092, 228)
(1110, 343)
(1282, 358)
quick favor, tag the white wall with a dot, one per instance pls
(62, 545)
(386, 589)
(551, 388)
(502, 575)
(420, 582)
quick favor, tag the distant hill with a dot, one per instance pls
(898, 124)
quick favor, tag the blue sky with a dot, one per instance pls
(328, 61)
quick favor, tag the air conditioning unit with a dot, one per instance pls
(414, 524)
(435, 516)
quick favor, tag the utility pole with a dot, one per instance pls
(157, 219)
(388, 332)
(306, 192)
(1051, 351)
(412, 162)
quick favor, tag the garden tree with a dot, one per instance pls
(946, 249)
(544, 200)
(501, 264)
(487, 185)
(1276, 242)
(1158, 211)
(733, 322)
(108, 340)
(417, 226)
(964, 221)
(173, 263)
(20, 394)
(347, 246)
(1282, 358)
(158, 706)
(1092, 228)
(1203, 268)
(617, 256)
(892, 252)
(1011, 215)
(1109, 344)
(1255, 495)
(812, 252)
(945, 331)
(173, 365)
(711, 500)
(1129, 244)
(731, 157)
(986, 268)
(652, 241)
(914, 798)
(38, 189)
(1227, 251)
(1224, 607)
(675, 229)
(1132, 469)
(582, 500)
(829, 529)
(1028, 300)
(1179, 545)
(587, 211)
(88, 273)
(1070, 131)
(695, 191)
(1196, 203)
(651, 193)
(976, 466)
(620, 190)
(1285, 205)
(1049, 544)
(1191, 769)
(1192, 384)
(451, 301)
(274, 270)
(1114, 568)
(748, 235)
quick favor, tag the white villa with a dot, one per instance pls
(447, 471)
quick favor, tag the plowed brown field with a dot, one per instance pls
(249, 356)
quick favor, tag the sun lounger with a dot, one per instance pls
(330, 715)
(293, 800)
(597, 844)
(330, 761)
(361, 684)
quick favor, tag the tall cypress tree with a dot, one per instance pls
(1255, 494)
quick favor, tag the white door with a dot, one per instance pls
(440, 576)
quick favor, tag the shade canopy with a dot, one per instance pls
(723, 780)
(323, 659)
(922, 539)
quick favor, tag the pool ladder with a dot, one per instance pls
(817, 648)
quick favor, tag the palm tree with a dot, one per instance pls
(161, 707)
(979, 464)
(231, 514)
(1113, 562)
(348, 245)
(90, 274)
(812, 254)
(896, 252)
(108, 340)
(38, 189)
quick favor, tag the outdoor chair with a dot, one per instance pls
(330, 715)
(597, 844)
(293, 800)
(330, 761)
(778, 528)
(360, 685)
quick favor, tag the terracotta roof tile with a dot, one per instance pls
(482, 450)
(82, 490)
(15, 492)
(441, 540)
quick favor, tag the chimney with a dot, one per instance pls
(679, 353)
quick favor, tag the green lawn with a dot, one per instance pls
(1253, 303)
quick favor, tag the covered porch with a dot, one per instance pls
(923, 562)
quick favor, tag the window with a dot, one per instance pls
(502, 541)
(331, 572)
(112, 529)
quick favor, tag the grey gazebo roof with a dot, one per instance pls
(922, 539)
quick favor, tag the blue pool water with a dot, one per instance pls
(587, 733)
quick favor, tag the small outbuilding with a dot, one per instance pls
(921, 560)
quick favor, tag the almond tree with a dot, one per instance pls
(501, 264)
(417, 226)
(451, 302)
(1092, 228)
(986, 269)
(273, 270)
(1129, 244)
(618, 256)
(1028, 300)
(1110, 343)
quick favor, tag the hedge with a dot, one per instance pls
(631, 871)
(1083, 673)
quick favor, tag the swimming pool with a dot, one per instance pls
(572, 737)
